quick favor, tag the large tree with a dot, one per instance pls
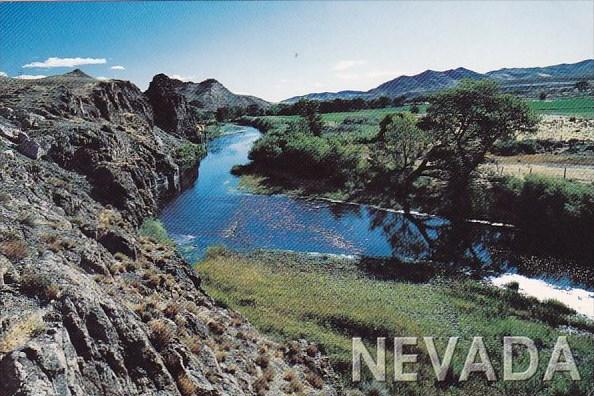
(461, 125)
(309, 110)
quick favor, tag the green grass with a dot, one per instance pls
(328, 301)
(579, 107)
(188, 154)
(154, 229)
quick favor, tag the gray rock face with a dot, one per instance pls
(30, 148)
(87, 306)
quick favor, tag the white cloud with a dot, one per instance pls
(103, 78)
(66, 62)
(182, 78)
(30, 76)
(117, 67)
(2, 74)
(348, 64)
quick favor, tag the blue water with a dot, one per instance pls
(215, 212)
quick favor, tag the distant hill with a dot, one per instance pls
(208, 94)
(519, 80)
(584, 69)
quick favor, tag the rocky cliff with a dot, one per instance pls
(180, 105)
(87, 306)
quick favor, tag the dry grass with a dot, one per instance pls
(314, 380)
(172, 310)
(14, 249)
(162, 333)
(186, 386)
(21, 332)
(216, 327)
(582, 173)
(193, 343)
(263, 360)
(40, 285)
(108, 218)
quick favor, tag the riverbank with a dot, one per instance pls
(332, 299)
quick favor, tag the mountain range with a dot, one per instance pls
(520, 80)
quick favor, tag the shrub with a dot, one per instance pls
(188, 154)
(555, 215)
(154, 229)
(513, 286)
(216, 251)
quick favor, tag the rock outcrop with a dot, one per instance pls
(89, 307)
(180, 106)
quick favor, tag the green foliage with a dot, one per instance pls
(556, 214)
(153, 229)
(188, 154)
(309, 110)
(306, 155)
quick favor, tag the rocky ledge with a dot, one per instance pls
(89, 307)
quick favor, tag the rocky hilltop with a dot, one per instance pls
(87, 305)
(180, 105)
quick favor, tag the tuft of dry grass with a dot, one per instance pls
(40, 285)
(186, 386)
(221, 356)
(289, 375)
(108, 218)
(194, 344)
(21, 332)
(261, 386)
(216, 327)
(161, 333)
(172, 310)
(14, 249)
(314, 380)
(263, 360)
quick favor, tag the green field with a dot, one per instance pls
(579, 107)
(329, 300)
(367, 121)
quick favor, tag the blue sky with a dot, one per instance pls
(280, 49)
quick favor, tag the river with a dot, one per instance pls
(214, 211)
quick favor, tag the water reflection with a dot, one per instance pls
(215, 211)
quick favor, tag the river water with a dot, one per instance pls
(214, 211)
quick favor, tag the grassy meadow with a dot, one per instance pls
(578, 107)
(329, 300)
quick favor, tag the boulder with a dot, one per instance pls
(8, 131)
(31, 149)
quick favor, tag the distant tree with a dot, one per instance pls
(542, 95)
(252, 110)
(222, 114)
(414, 109)
(582, 86)
(308, 109)
(399, 100)
(381, 102)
